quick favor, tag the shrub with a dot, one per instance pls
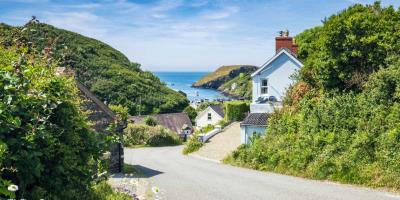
(223, 123)
(121, 112)
(137, 134)
(236, 110)
(207, 128)
(103, 191)
(150, 121)
(346, 138)
(51, 151)
(193, 144)
(191, 112)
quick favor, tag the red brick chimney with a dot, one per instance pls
(284, 41)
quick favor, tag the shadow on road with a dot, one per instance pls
(146, 172)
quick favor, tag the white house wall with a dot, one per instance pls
(279, 74)
(202, 120)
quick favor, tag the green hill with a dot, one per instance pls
(233, 80)
(240, 86)
(106, 71)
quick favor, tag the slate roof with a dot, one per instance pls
(256, 119)
(218, 109)
(173, 121)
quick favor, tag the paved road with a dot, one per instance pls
(222, 144)
(190, 178)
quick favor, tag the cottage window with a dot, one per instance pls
(264, 86)
(209, 116)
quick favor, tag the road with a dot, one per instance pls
(222, 144)
(190, 178)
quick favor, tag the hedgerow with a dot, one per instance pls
(47, 148)
(341, 119)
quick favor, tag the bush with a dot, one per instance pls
(139, 134)
(223, 123)
(191, 112)
(207, 128)
(236, 110)
(103, 191)
(150, 121)
(194, 144)
(346, 138)
(51, 152)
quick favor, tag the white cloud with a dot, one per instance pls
(221, 14)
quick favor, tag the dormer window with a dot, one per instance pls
(264, 86)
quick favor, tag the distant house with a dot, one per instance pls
(210, 116)
(176, 122)
(270, 83)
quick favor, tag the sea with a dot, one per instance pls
(182, 81)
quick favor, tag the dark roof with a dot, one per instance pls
(257, 119)
(218, 109)
(173, 121)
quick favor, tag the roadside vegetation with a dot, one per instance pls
(145, 135)
(47, 150)
(236, 110)
(193, 144)
(340, 121)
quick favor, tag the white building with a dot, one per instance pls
(211, 115)
(270, 83)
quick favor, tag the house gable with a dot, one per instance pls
(277, 72)
(202, 117)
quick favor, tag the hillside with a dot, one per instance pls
(223, 78)
(240, 86)
(104, 70)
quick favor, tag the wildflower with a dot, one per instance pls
(155, 190)
(12, 188)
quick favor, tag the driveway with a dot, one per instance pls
(189, 178)
(222, 144)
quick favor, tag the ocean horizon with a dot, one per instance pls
(183, 80)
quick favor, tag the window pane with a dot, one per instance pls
(265, 82)
(264, 90)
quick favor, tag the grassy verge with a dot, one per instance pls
(192, 145)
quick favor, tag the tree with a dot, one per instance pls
(349, 46)
(191, 112)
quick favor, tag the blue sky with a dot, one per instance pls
(182, 35)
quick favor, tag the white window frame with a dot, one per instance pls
(263, 86)
(209, 116)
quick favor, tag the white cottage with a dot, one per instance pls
(270, 83)
(210, 116)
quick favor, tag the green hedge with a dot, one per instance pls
(236, 110)
(46, 145)
(140, 134)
